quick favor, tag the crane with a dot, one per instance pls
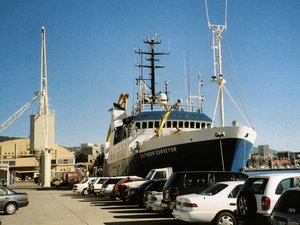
(165, 117)
(17, 114)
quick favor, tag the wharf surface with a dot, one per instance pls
(63, 207)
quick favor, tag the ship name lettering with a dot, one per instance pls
(158, 152)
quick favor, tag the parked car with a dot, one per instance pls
(153, 195)
(287, 208)
(11, 201)
(124, 181)
(216, 204)
(108, 186)
(187, 182)
(136, 195)
(260, 194)
(153, 174)
(83, 186)
(57, 182)
(96, 185)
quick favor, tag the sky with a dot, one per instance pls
(91, 60)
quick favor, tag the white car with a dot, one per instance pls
(153, 201)
(261, 192)
(108, 185)
(215, 204)
(95, 187)
(83, 186)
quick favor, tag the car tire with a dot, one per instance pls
(10, 208)
(85, 191)
(225, 218)
(246, 205)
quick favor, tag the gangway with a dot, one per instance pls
(17, 114)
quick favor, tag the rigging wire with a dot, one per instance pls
(236, 87)
(225, 14)
(249, 124)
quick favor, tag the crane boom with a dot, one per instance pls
(165, 117)
(17, 114)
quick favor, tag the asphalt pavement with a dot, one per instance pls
(63, 207)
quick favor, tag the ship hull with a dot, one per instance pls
(189, 151)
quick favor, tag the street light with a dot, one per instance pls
(220, 135)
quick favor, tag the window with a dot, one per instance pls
(235, 191)
(197, 125)
(169, 124)
(144, 125)
(150, 124)
(138, 125)
(180, 124)
(2, 191)
(202, 125)
(186, 124)
(174, 124)
(214, 189)
(284, 185)
(192, 125)
(256, 185)
(156, 123)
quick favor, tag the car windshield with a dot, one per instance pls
(101, 181)
(149, 175)
(83, 180)
(214, 189)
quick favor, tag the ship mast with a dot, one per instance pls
(152, 59)
(216, 47)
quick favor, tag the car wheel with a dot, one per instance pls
(246, 204)
(10, 208)
(225, 218)
(85, 191)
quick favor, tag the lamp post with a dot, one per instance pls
(220, 135)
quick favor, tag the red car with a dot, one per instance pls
(116, 189)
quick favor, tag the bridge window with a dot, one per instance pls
(144, 125)
(169, 124)
(150, 124)
(180, 124)
(197, 125)
(138, 125)
(174, 124)
(208, 125)
(156, 124)
(202, 125)
(186, 124)
(192, 124)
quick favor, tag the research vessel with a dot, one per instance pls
(161, 134)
